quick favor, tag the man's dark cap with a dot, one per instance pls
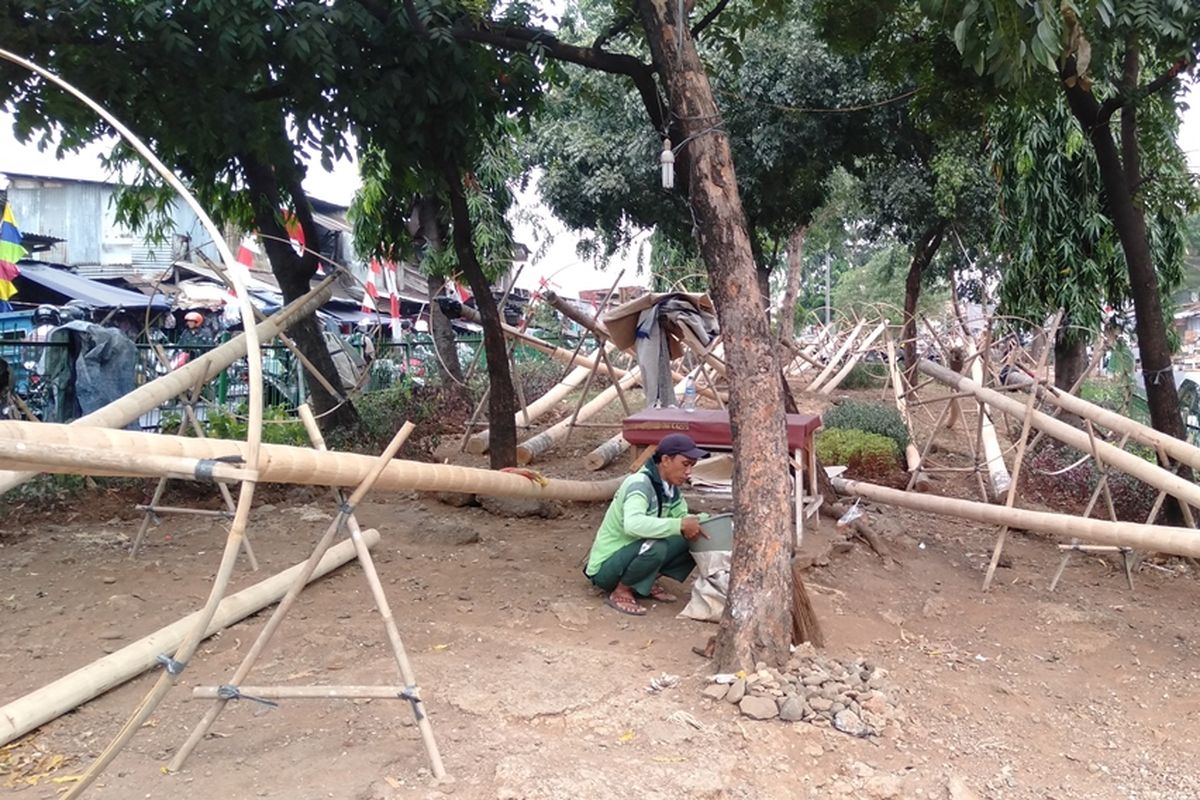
(680, 444)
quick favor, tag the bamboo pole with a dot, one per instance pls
(411, 692)
(285, 464)
(1160, 538)
(837, 379)
(129, 408)
(530, 449)
(1126, 462)
(76, 688)
(1177, 449)
(607, 452)
(836, 358)
(1019, 459)
(998, 477)
(293, 592)
(919, 480)
(477, 444)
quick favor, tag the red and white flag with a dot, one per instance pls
(370, 301)
(392, 280)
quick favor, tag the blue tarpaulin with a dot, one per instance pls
(37, 279)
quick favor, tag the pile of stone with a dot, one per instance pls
(849, 695)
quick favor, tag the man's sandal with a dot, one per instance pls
(625, 604)
(661, 595)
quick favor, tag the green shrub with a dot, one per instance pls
(866, 455)
(868, 417)
(865, 376)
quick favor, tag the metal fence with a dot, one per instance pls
(412, 360)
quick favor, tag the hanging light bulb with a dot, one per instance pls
(667, 160)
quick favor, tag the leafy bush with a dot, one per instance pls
(865, 376)
(868, 417)
(866, 455)
(280, 425)
(434, 410)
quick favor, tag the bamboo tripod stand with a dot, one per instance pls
(408, 692)
(153, 509)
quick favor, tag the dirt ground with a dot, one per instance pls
(535, 689)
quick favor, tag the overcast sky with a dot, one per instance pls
(558, 262)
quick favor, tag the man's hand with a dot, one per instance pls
(689, 526)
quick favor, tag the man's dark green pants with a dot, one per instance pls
(639, 563)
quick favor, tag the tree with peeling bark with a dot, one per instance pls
(1107, 58)
(757, 623)
(794, 110)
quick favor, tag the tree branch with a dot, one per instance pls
(614, 30)
(1117, 102)
(511, 37)
(709, 17)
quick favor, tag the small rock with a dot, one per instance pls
(736, 691)
(958, 789)
(820, 704)
(759, 707)
(456, 499)
(109, 579)
(848, 722)
(716, 691)
(815, 750)
(793, 709)
(521, 507)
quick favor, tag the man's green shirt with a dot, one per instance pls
(634, 514)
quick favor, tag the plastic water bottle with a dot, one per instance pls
(689, 395)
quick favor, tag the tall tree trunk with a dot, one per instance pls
(502, 402)
(924, 250)
(757, 620)
(442, 331)
(1070, 358)
(294, 274)
(1120, 181)
(795, 261)
(429, 228)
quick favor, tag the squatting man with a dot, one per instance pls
(646, 530)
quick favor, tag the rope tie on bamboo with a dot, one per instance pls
(413, 695)
(345, 509)
(227, 691)
(172, 666)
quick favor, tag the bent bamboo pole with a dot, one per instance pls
(532, 448)
(1114, 456)
(478, 443)
(1159, 538)
(72, 690)
(129, 408)
(298, 465)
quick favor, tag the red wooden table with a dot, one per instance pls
(710, 429)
